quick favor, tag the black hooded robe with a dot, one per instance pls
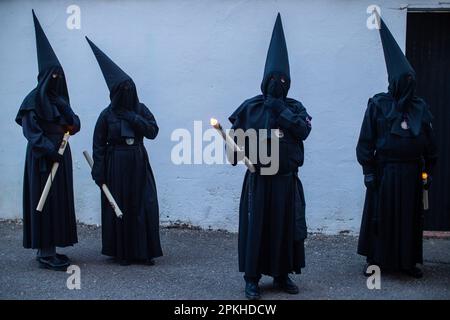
(272, 225)
(56, 224)
(129, 177)
(122, 163)
(396, 144)
(45, 119)
(392, 222)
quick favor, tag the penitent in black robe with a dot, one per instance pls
(126, 171)
(45, 115)
(56, 224)
(121, 161)
(272, 225)
(392, 222)
(395, 146)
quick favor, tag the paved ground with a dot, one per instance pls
(203, 265)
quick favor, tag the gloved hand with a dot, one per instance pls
(54, 156)
(126, 115)
(98, 173)
(427, 185)
(275, 105)
(370, 181)
(99, 181)
(69, 128)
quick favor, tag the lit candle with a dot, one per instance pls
(425, 191)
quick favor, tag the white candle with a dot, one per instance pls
(52, 174)
(231, 144)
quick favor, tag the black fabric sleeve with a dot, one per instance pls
(74, 122)
(366, 147)
(294, 122)
(41, 145)
(99, 148)
(145, 123)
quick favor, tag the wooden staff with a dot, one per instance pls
(425, 192)
(231, 144)
(105, 189)
(52, 174)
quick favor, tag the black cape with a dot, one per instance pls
(125, 168)
(43, 125)
(392, 222)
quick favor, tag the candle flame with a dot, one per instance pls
(424, 176)
(213, 122)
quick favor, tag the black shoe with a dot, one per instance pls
(53, 263)
(286, 284)
(63, 257)
(252, 291)
(414, 272)
(150, 262)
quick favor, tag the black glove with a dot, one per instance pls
(126, 115)
(98, 175)
(370, 181)
(99, 182)
(427, 185)
(69, 128)
(275, 105)
(54, 156)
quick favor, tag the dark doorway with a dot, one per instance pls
(428, 50)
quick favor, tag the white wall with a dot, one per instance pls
(192, 60)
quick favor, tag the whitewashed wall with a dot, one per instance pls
(192, 60)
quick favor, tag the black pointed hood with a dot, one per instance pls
(111, 72)
(263, 111)
(396, 63)
(277, 61)
(45, 54)
(406, 106)
(51, 89)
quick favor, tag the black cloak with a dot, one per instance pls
(121, 161)
(272, 225)
(396, 144)
(45, 115)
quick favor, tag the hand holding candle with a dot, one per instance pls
(105, 189)
(52, 174)
(231, 144)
